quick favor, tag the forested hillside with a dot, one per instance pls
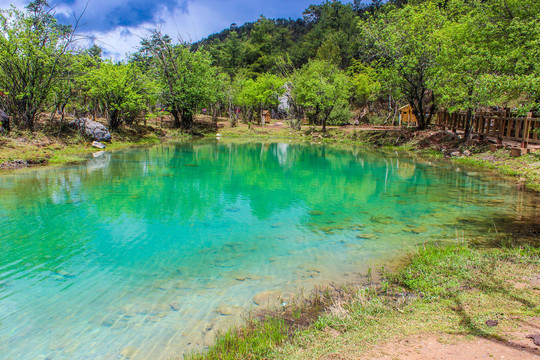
(339, 61)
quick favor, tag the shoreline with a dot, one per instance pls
(525, 171)
(341, 296)
(397, 306)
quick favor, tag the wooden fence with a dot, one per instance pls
(501, 125)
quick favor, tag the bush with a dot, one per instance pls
(340, 115)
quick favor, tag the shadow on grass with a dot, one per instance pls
(468, 323)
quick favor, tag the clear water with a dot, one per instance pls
(133, 254)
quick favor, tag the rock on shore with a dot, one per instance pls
(93, 129)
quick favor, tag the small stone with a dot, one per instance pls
(240, 278)
(466, 153)
(419, 230)
(98, 145)
(228, 310)
(174, 306)
(535, 338)
(128, 352)
(366, 236)
(266, 297)
(455, 153)
(492, 323)
(316, 212)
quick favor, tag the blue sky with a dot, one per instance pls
(118, 25)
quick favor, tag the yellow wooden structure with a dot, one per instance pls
(406, 116)
(266, 116)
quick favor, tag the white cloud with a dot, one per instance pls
(191, 22)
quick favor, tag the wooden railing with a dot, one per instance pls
(501, 125)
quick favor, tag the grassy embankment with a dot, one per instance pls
(457, 289)
(48, 147)
(427, 144)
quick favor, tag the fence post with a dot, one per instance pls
(525, 134)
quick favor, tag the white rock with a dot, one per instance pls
(98, 145)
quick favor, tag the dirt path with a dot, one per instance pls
(450, 347)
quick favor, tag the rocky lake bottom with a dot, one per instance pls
(147, 253)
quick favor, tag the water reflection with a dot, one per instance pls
(145, 246)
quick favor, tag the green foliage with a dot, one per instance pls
(364, 82)
(187, 78)
(444, 272)
(318, 88)
(340, 115)
(255, 95)
(405, 44)
(33, 55)
(121, 89)
(255, 340)
(454, 54)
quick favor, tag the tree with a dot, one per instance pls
(121, 89)
(33, 48)
(464, 62)
(365, 85)
(405, 45)
(185, 76)
(261, 93)
(321, 87)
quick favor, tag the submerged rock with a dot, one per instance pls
(267, 298)
(128, 352)
(228, 310)
(367, 236)
(93, 129)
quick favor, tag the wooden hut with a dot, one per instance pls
(266, 116)
(406, 116)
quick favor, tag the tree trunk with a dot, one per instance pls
(215, 114)
(114, 120)
(468, 125)
(176, 117)
(187, 119)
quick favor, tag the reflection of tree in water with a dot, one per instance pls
(192, 181)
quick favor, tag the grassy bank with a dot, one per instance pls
(49, 147)
(426, 144)
(471, 290)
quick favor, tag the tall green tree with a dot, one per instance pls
(185, 76)
(264, 92)
(321, 88)
(121, 89)
(405, 45)
(33, 51)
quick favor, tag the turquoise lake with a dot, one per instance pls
(146, 253)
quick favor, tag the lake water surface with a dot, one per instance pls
(144, 253)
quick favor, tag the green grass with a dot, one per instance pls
(526, 167)
(452, 289)
(255, 340)
(53, 148)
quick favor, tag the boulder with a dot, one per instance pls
(93, 129)
(4, 121)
